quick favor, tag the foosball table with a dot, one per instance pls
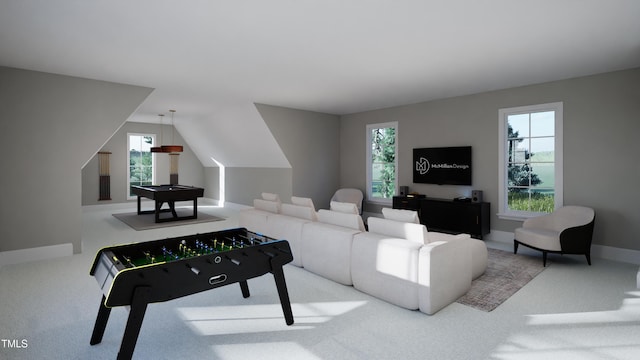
(138, 274)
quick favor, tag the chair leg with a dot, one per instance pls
(544, 259)
(515, 246)
(588, 258)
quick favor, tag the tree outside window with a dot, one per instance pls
(140, 160)
(382, 161)
(532, 159)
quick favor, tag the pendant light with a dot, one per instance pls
(158, 149)
(172, 148)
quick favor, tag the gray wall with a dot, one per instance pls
(601, 128)
(308, 140)
(212, 181)
(245, 184)
(190, 169)
(52, 125)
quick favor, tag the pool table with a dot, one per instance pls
(168, 194)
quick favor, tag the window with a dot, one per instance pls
(530, 160)
(382, 159)
(141, 169)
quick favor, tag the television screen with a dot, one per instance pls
(442, 165)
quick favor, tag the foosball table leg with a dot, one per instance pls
(101, 323)
(139, 304)
(245, 289)
(278, 275)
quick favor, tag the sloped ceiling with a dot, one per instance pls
(212, 60)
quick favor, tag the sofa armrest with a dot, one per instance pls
(444, 274)
(433, 236)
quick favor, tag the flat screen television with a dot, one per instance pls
(442, 165)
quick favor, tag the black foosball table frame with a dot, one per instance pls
(138, 274)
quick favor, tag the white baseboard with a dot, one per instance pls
(235, 206)
(597, 251)
(35, 254)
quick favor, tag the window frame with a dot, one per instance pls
(503, 209)
(369, 169)
(153, 162)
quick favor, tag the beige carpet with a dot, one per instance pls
(506, 274)
(147, 221)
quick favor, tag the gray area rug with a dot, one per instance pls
(147, 221)
(506, 274)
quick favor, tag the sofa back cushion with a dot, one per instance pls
(265, 205)
(302, 212)
(402, 215)
(344, 207)
(397, 229)
(351, 221)
(270, 197)
(303, 201)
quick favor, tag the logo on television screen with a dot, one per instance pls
(423, 166)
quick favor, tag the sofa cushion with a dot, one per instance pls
(402, 215)
(479, 253)
(344, 207)
(255, 220)
(270, 197)
(298, 211)
(386, 268)
(540, 238)
(397, 229)
(444, 269)
(326, 250)
(351, 221)
(303, 201)
(289, 228)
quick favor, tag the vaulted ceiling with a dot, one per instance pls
(212, 60)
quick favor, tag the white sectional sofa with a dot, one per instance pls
(396, 260)
(288, 224)
(326, 244)
(405, 265)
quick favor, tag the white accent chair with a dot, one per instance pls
(350, 195)
(567, 230)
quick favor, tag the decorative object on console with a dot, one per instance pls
(476, 196)
(567, 230)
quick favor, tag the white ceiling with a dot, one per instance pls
(212, 60)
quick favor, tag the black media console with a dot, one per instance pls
(450, 216)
